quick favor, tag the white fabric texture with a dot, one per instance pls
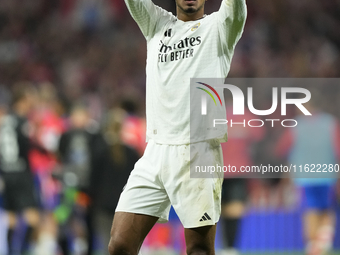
(178, 51)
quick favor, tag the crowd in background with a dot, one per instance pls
(61, 175)
(83, 64)
(90, 49)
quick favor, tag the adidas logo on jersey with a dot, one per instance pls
(205, 217)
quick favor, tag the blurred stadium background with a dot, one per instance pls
(82, 63)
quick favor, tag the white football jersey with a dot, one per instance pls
(178, 51)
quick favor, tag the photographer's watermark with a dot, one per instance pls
(312, 169)
(294, 110)
(239, 104)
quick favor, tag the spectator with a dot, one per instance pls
(315, 141)
(237, 152)
(82, 152)
(20, 196)
(111, 179)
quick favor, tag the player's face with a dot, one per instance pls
(190, 7)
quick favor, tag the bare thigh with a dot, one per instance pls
(128, 232)
(200, 241)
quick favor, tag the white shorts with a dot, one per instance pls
(161, 178)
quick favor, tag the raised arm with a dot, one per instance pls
(231, 18)
(146, 14)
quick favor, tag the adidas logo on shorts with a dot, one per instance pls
(205, 217)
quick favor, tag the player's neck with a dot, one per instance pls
(183, 16)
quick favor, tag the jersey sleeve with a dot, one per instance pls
(231, 18)
(146, 14)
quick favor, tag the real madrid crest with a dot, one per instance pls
(195, 26)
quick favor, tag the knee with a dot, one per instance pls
(12, 220)
(32, 217)
(120, 248)
(199, 250)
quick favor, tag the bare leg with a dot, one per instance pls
(128, 232)
(328, 218)
(47, 238)
(32, 218)
(12, 220)
(233, 212)
(311, 224)
(12, 223)
(319, 231)
(200, 241)
(234, 209)
(326, 230)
